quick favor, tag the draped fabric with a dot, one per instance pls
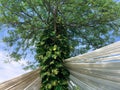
(96, 70)
(29, 81)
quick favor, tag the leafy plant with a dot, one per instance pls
(52, 49)
(57, 29)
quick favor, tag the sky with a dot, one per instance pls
(9, 70)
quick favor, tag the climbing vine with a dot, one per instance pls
(52, 49)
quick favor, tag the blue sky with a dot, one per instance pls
(9, 70)
(12, 69)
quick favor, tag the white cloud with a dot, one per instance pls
(9, 70)
(12, 69)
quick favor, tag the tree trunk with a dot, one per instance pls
(52, 49)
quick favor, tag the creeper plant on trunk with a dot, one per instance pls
(52, 49)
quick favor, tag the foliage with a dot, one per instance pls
(90, 23)
(52, 49)
(57, 29)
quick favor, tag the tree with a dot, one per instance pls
(54, 29)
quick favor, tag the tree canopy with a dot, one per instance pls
(90, 23)
(58, 29)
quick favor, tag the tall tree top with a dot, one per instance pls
(90, 23)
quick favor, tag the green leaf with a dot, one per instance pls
(58, 87)
(54, 47)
